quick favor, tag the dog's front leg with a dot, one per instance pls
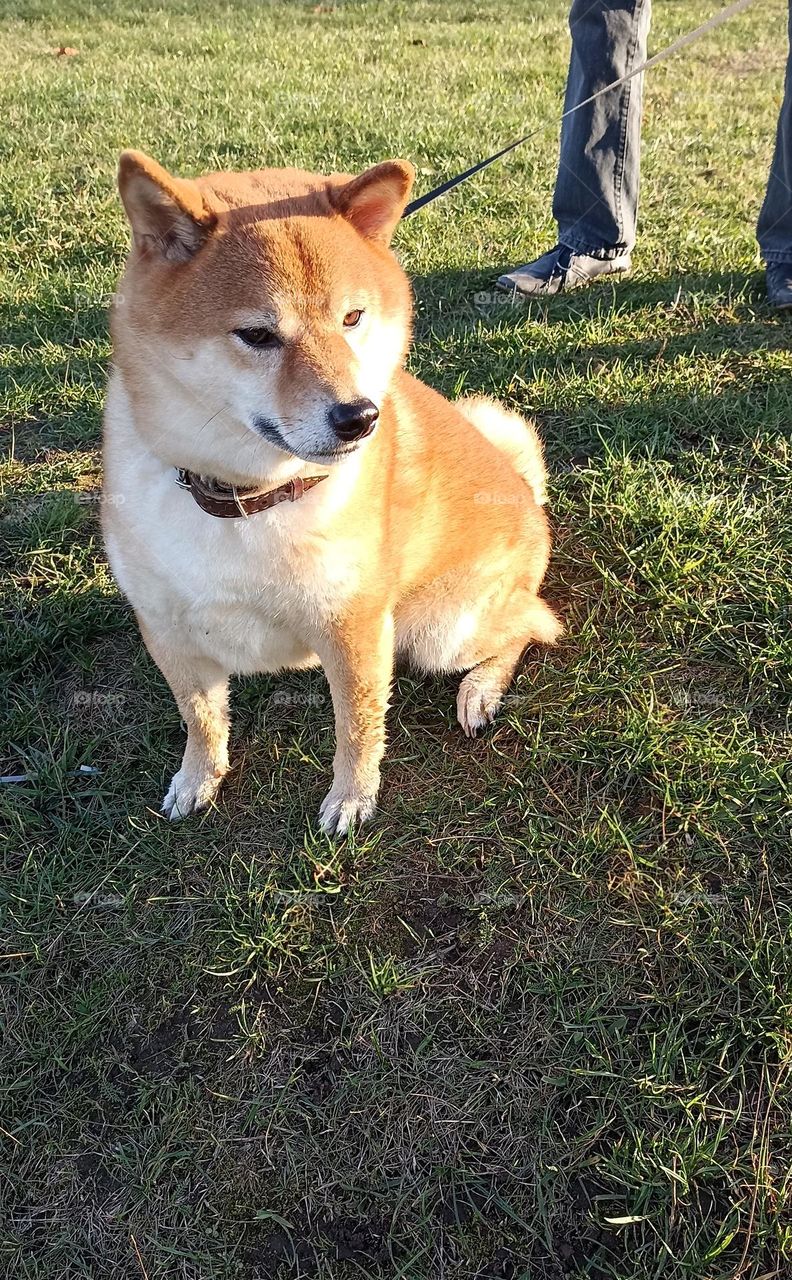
(358, 662)
(200, 687)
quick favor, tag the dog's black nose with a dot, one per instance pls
(354, 421)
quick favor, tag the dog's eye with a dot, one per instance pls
(258, 337)
(352, 318)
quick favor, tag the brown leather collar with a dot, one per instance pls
(229, 502)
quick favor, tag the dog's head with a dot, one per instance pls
(263, 314)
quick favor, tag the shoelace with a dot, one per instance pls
(563, 262)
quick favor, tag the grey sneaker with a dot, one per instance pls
(562, 269)
(779, 285)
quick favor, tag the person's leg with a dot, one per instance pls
(596, 194)
(774, 228)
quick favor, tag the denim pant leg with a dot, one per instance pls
(596, 193)
(774, 228)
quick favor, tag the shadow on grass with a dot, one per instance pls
(474, 293)
(525, 998)
(464, 305)
(632, 392)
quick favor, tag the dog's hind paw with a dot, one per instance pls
(341, 810)
(478, 700)
(189, 792)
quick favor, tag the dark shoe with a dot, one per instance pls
(779, 285)
(562, 269)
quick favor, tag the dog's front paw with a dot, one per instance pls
(189, 791)
(343, 808)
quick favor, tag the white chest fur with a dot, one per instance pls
(255, 594)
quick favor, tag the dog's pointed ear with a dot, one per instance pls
(167, 215)
(374, 201)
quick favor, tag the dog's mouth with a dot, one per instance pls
(332, 455)
(322, 457)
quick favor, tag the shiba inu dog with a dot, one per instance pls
(285, 494)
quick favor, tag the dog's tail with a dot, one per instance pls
(511, 433)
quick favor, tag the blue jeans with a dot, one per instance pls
(596, 193)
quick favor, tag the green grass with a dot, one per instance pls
(535, 1022)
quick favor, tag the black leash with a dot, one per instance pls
(450, 183)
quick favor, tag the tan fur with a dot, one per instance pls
(427, 539)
